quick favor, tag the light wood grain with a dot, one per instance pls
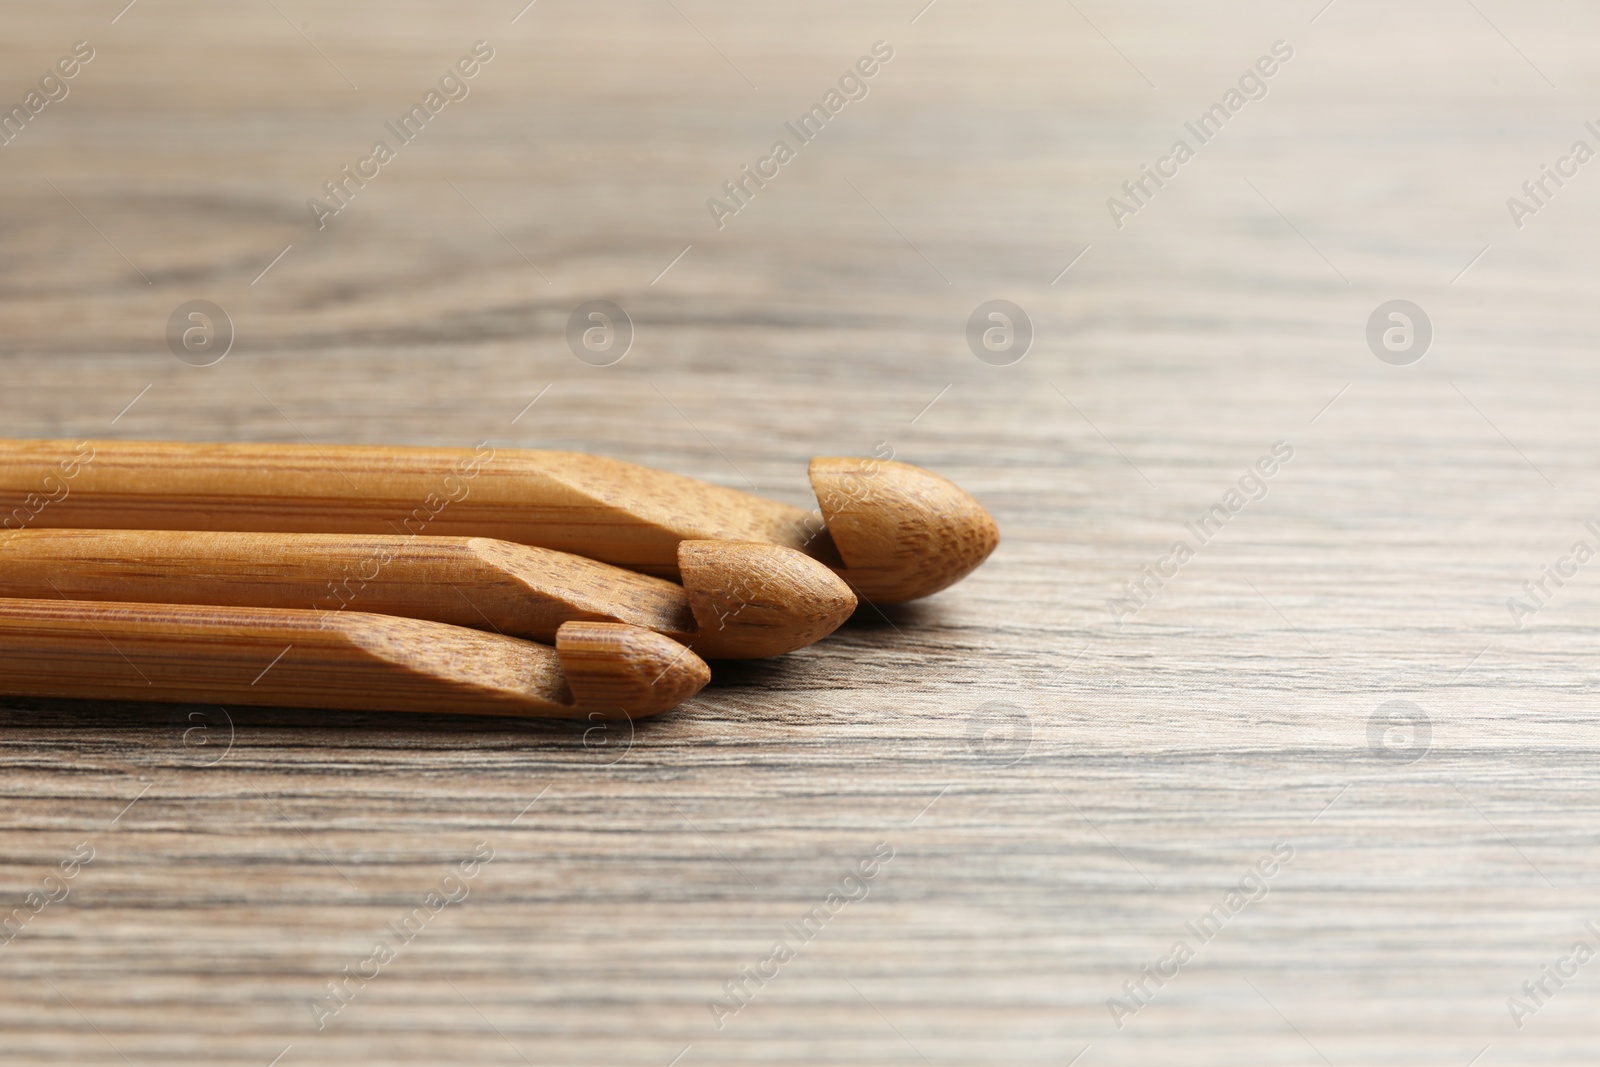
(196, 653)
(893, 531)
(741, 600)
(1164, 756)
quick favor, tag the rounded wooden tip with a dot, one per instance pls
(618, 671)
(753, 599)
(901, 531)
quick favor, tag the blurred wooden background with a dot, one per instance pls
(1062, 791)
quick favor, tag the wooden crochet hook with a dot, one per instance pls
(348, 660)
(893, 531)
(739, 600)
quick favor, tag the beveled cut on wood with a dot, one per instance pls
(739, 599)
(98, 650)
(893, 531)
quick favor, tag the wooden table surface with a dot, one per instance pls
(1066, 787)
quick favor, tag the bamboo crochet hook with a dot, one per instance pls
(349, 660)
(738, 599)
(893, 531)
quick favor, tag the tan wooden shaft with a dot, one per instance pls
(604, 509)
(475, 582)
(893, 531)
(753, 600)
(345, 660)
